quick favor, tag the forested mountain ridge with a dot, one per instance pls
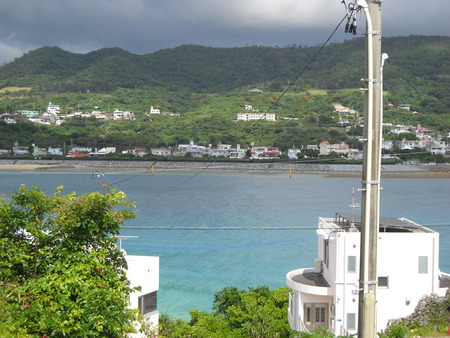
(414, 61)
(208, 87)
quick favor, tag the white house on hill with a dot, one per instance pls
(327, 295)
(265, 152)
(53, 109)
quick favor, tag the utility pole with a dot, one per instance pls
(370, 211)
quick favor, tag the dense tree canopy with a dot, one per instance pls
(255, 312)
(61, 273)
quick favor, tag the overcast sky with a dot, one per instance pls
(144, 26)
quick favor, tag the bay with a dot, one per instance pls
(213, 229)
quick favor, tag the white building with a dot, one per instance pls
(325, 148)
(38, 151)
(143, 272)
(192, 149)
(53, 109)
(164, 151)
(155, 111)
(293, 153)
(55, 151)
(327, 294)
(387, 145)
(237, 152)
(135, 152)
(103, 151)
(80, 150)
(265, 152)
(17, 150)
(436, 147)
(222, 150)
(125, 115)
(256, 116)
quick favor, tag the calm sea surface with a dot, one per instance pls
(198, 261)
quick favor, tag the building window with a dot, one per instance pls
(351, 321)
(316, 315)
(147, 303)
(320, 315)
(383, 281)
(326, 252)
(423, 264)
(351, 264)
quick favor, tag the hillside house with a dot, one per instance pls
(404, 106)
(237, 152)
(325, 148)
(74, 154)
(103, 151)
(135, 152)
(345, 111)
(53, 109)
(256, 116)
(123, 115)
(222, 150)
(154, 111)
(387, 145)
(190, 149)
(29, 113)
(265, 152)
(436, 147)
(163, 151)
(293, 153)
(9, 120)
(55, 151)
(18, 150)
(38, 151)
(326, 295)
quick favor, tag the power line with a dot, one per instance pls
(304, 69)
(237, 228)
(209, 228)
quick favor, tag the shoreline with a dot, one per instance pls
(328, 170)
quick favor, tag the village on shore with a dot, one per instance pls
(425, 139)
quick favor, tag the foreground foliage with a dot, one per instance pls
(261, 312)
(256, 312)
(61, 273)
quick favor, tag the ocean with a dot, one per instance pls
(215, 229)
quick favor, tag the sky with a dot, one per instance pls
(145, 26)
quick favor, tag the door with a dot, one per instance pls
(316, 315)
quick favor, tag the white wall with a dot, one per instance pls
(143, 271)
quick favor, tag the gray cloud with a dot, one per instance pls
(143, 26)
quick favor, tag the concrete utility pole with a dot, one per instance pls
(370, 211)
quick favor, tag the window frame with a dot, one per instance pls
(148, 303)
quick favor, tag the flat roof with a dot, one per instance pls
(387, 224)
(310, 277)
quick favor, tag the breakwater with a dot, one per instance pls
(296, 167)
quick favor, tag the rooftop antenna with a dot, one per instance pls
(353, 206)
(121, 238)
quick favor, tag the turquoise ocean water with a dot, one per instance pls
(198, 260)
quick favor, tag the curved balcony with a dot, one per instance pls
(308, 281)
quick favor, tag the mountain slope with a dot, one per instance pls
(415, 61)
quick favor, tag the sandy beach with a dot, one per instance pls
(329, 170)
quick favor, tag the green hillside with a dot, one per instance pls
(414, 61)
(209, 86)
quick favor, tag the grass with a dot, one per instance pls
(14, 89)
